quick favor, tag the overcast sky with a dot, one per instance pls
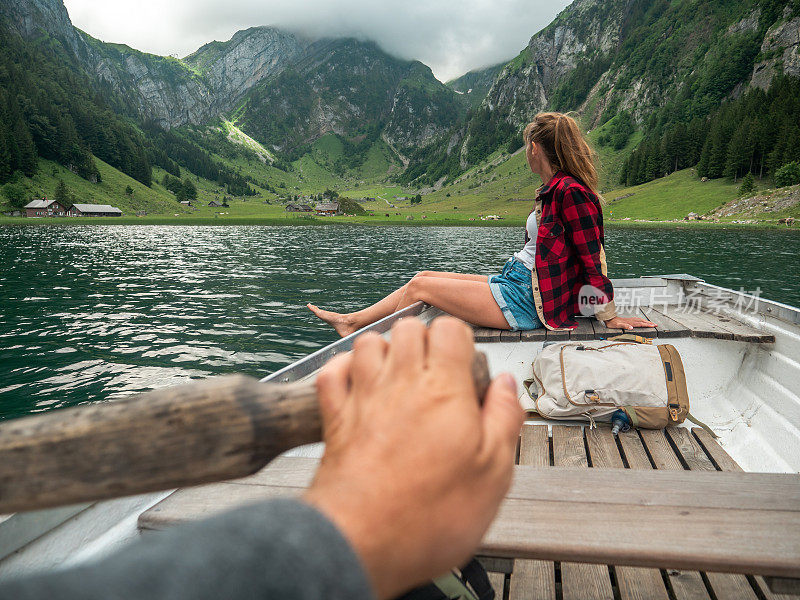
(450, 37)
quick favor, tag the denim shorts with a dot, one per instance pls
(513, 292)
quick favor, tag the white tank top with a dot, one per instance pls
(528, 253)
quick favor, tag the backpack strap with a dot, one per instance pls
(629, 337)
(475, 574)
(631, 412)
(699, 423)
(453, 588)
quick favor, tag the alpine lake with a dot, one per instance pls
(93, 312)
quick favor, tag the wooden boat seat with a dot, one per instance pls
(671, 321)
(651, 500)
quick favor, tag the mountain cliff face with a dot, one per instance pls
(606, 57)
(231, 68)
(153, 87)
(780, 52)
(285, 90)
(474, 85)
(586, 29)
(350, 88)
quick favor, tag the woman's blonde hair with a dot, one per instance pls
(564, 146)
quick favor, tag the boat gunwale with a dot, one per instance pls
(310, 363)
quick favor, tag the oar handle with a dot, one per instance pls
(212, 430)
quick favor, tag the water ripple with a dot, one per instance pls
(93, 313)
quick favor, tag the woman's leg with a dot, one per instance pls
(448, 275)
(347, 323)
(471, 301)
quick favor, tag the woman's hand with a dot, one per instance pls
(628, 323)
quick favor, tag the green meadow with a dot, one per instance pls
(502, 186)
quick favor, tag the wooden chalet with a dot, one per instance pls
(94, 210)
(298, 208)
(45, 208)
(328, 209)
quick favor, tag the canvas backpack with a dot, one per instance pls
(594, 379)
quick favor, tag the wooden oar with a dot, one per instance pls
(212, 430)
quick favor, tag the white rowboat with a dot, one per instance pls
(742, 360)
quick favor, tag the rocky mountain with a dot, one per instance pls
(474, 85)
(638, 58)
(622, 64)
(153, 87)
(284, 89)
(351, 88)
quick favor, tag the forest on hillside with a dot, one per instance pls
(757, 133)
(50, 109)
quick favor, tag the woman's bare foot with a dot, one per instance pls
(342, 323)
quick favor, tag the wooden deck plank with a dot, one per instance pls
(660, 450)
(740, 331)
(675, 488)
(192, 504)
(713, 490)
(603, 451)
(700, 324)
(671, 537)
(724, 585)
(721, 459)
(486, 334)
(770, 595)
(534, 447)
(533, 579)
(533, 335)
(635, 311)
(498, 581)
(665, 327)
(667, 519)
(557, 336)
(584, 330)
(633, 449)
(568, 447)
(578, 581)
(634, 583)
(690, 450)
(728, 586)
(686, 585)
(603, 332)
(724, 462)
(510, 336)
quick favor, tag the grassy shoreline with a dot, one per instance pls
(372, 221)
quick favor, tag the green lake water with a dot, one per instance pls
(90, 313)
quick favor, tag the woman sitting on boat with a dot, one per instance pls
(559, 273)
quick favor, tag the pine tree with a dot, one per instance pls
(748, 185)
(5, 155)
(62, 195)
(27, 149)
(739, 151)
(189, 190)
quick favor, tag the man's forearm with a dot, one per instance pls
(277, 549)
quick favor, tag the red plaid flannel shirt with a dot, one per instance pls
(569, 250)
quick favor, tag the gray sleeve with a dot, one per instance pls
(277, 549)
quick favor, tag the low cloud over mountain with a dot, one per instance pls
(451, 39)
